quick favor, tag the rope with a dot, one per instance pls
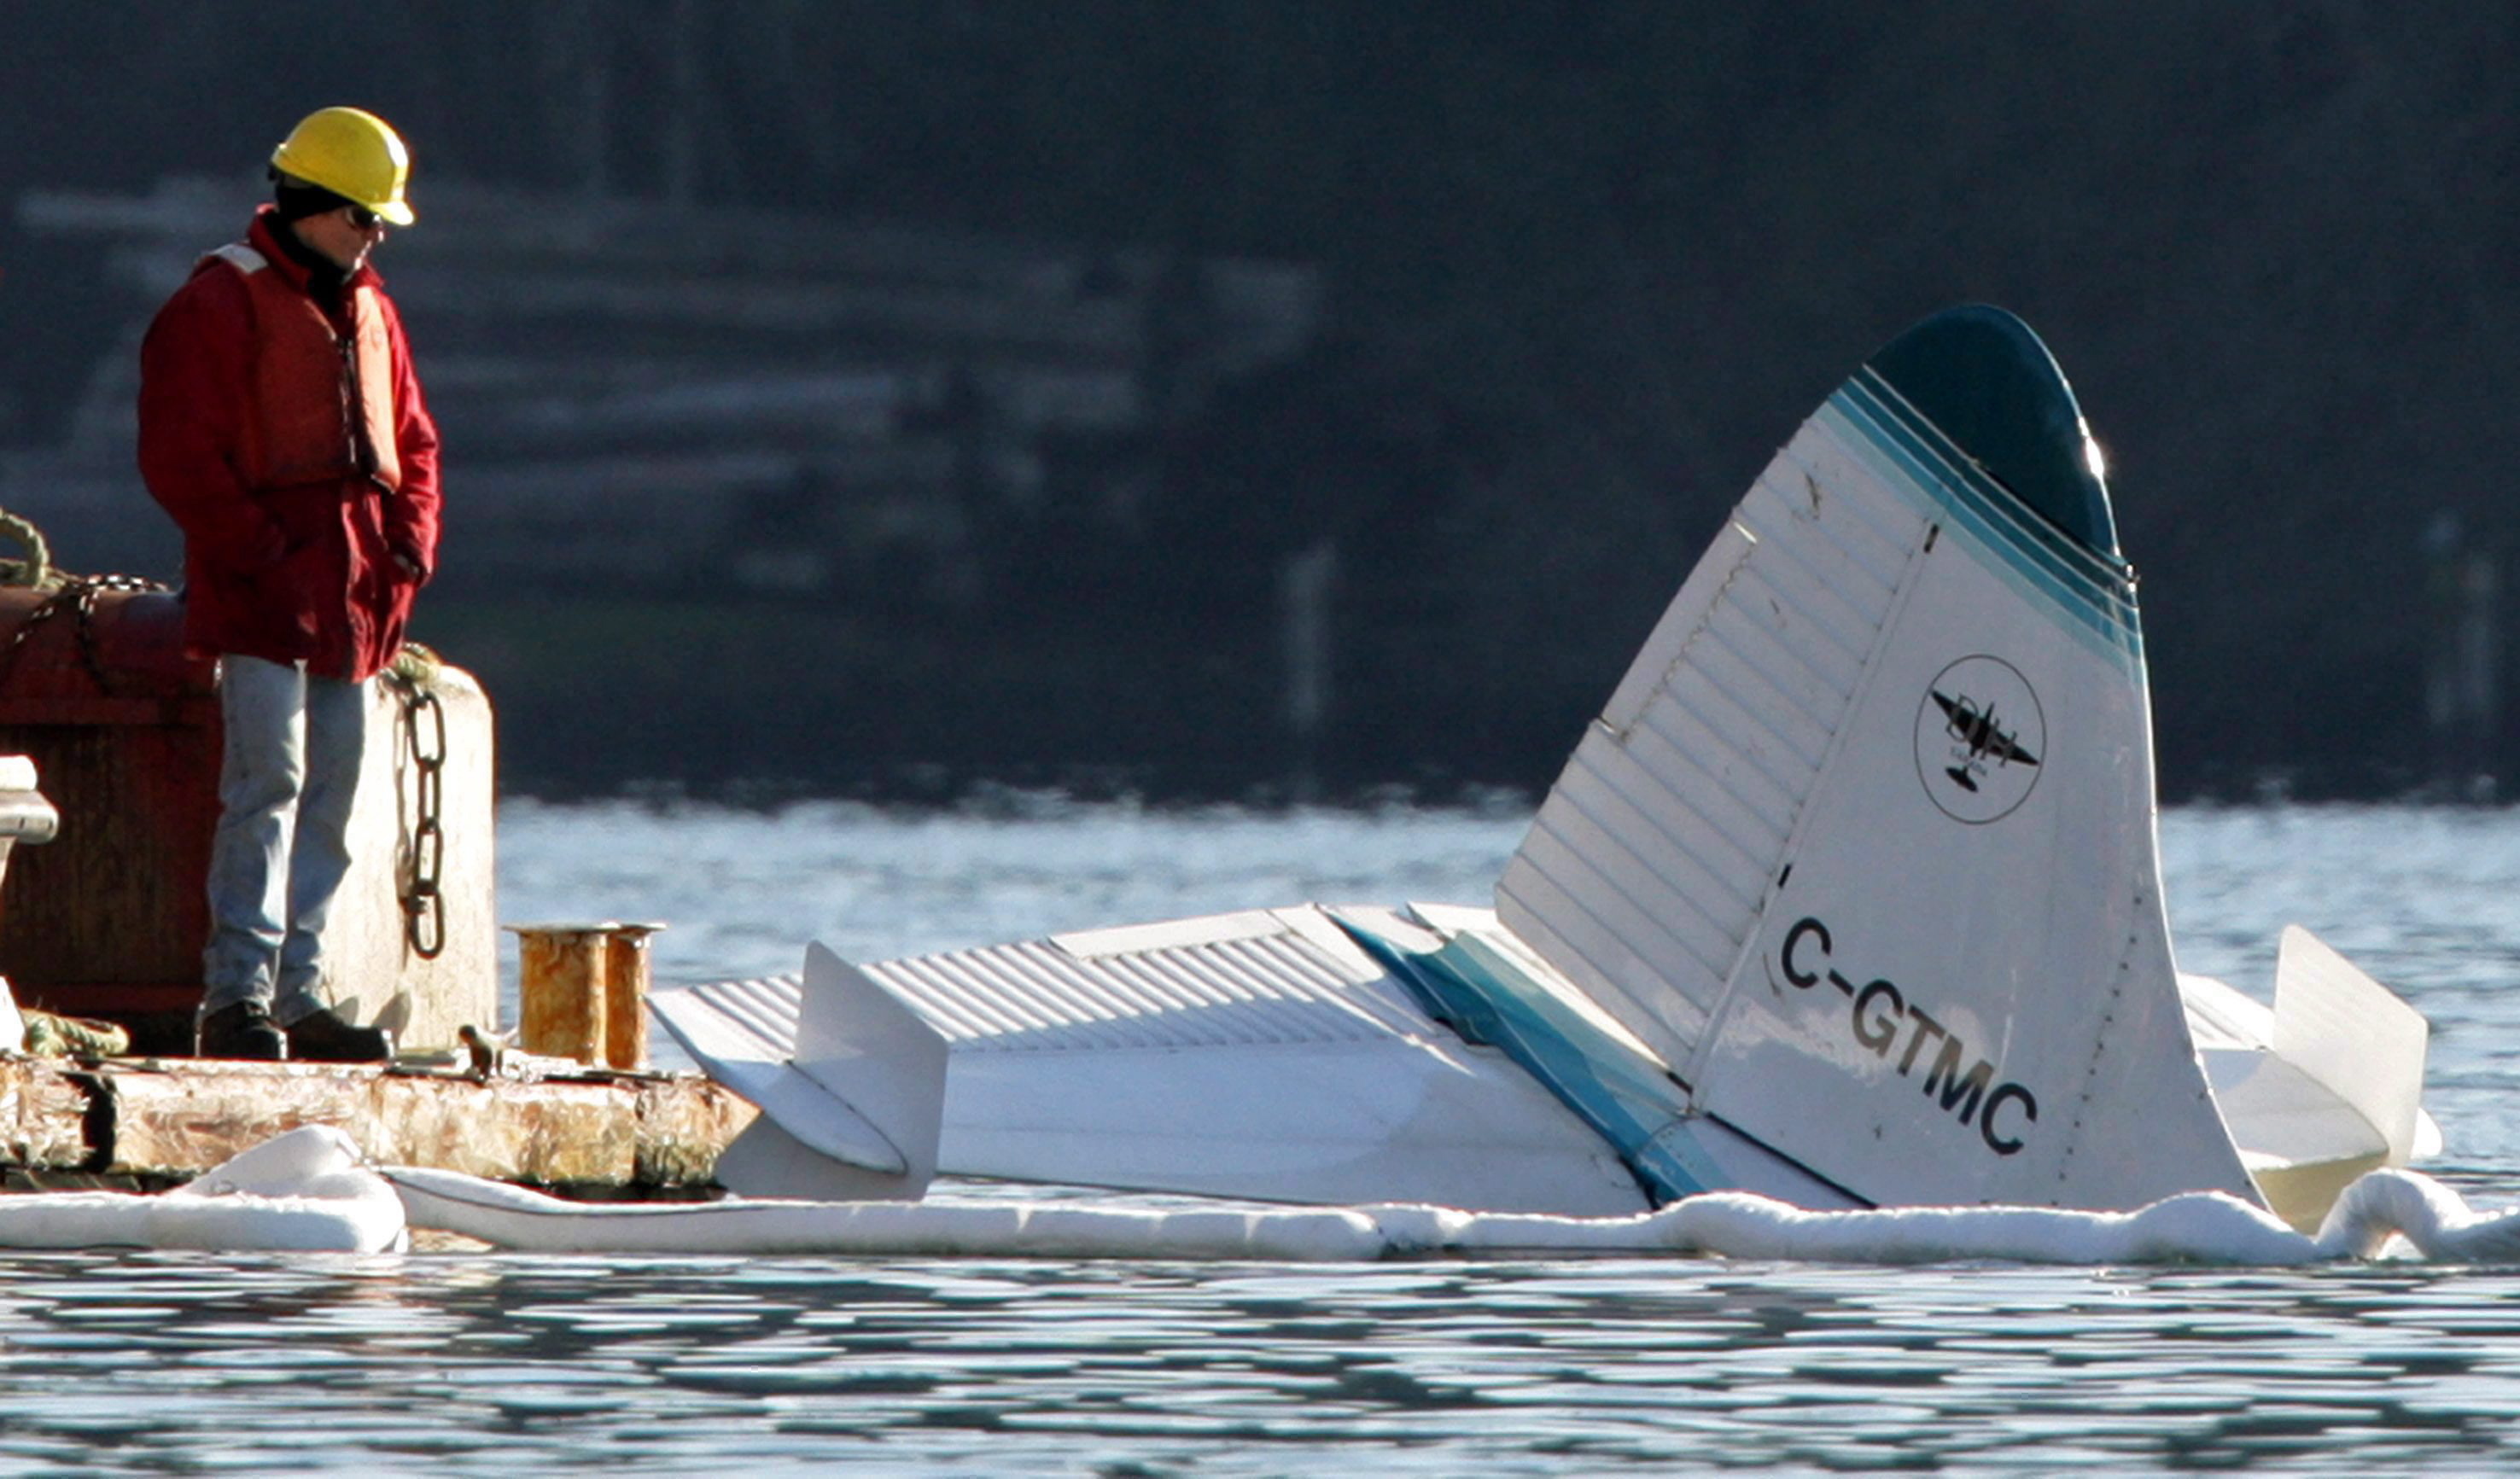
(415, 666)
(75, 593)
(52, 1036)
(37, 567)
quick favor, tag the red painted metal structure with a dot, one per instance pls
(109, 920)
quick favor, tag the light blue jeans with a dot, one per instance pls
(286, 778)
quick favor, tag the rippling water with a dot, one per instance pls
(473, 1363)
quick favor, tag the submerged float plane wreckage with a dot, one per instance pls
(1851, 896)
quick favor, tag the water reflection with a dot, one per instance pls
(483, 1363)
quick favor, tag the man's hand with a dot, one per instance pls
(410, 567)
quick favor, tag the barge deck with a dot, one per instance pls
(145, 1124)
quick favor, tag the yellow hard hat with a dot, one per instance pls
(353, 154)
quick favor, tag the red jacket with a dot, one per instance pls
(257, 434)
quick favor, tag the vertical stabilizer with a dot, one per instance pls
(1863, 843)
(864, 1046)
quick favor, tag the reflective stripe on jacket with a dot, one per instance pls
(324, 401)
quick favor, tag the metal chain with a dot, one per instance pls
(78, 593)
(423, 906)
(88, 587)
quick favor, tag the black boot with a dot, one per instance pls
(240, 1030)
(320, 1037)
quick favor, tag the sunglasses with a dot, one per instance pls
(363, 218)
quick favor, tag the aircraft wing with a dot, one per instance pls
(1255, 1055)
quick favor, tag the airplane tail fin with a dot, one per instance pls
(1862, 844)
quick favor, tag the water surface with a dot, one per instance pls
(451, 1364)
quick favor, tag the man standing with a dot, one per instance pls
(282, 426)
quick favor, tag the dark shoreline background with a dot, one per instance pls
(1266, 397)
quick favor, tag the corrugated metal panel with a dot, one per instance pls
(1642, 872)
(1253, 978)
(765, 1008)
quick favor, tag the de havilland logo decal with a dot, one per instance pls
(1980, 735)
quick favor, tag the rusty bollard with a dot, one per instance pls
(560, 974)
(625, 994)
